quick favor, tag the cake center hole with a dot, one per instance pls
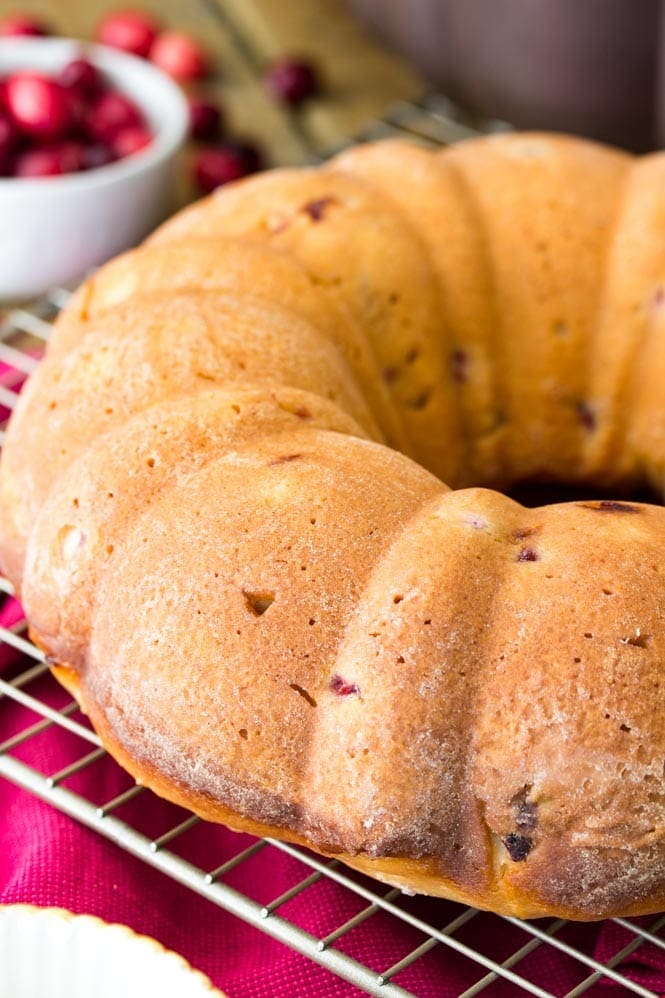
(543, 494)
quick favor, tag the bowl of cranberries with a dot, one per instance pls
(88, 142)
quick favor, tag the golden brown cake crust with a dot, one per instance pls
(222, 502)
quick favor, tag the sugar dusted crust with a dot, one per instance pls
(222, 503)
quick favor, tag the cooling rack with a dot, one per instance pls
(445, 930)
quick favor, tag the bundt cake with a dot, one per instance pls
(222, 504)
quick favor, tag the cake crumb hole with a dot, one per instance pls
(637, 640)
(258, 603)
(301, 691)
(586, 415)
(284, 459)
(317, 209)
(459, 366)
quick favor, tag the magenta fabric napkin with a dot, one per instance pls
(47, 858)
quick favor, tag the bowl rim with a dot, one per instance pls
(54, 913)
(168, 137)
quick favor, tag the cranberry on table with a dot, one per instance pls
(205, 119)
(215, 166)
(131, 31)
(17, 25)
(109, 114)
(179, 55)
(130, 140)
(249, 154)
(39, 106)
(80, 76)
(292, 80)
(218, 165)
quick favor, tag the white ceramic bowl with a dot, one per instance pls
(50, 953)
(53, 230)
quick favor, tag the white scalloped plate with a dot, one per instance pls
(51, 953)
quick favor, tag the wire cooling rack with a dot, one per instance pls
(46, 709)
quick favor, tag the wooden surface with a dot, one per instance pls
(362, 80)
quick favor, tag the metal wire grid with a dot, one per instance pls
(23, 334)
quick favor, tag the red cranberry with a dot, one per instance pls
(518, 847)
(250, 154)
(217, 165)
(81, 76)
(527, 554)
(132, 31)
(8, 141)
(20, 24)
(109, 114)
(205, 120)
(39, 105)
(130, 141)
(292, 81)
(95, 155)
(179, 55)
(71, 156)
(9, 135)
(342, 687)
(38, 163)
(77, 104)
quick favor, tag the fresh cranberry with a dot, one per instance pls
(205, 120)
(9, 138)
(217, 165)
(17, 25)
(95, 155)
(132, 31)
(38, 163)
(292, 81)
(9, 135)
(179, 55)
(214, 167)
(248, 153)
(81, 76)
(130, 141)
(71, 156)
(39, 106)
(109, 114)
(77, 103)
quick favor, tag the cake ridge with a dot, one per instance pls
(275, 616)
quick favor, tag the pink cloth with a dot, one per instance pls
(46, 858)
